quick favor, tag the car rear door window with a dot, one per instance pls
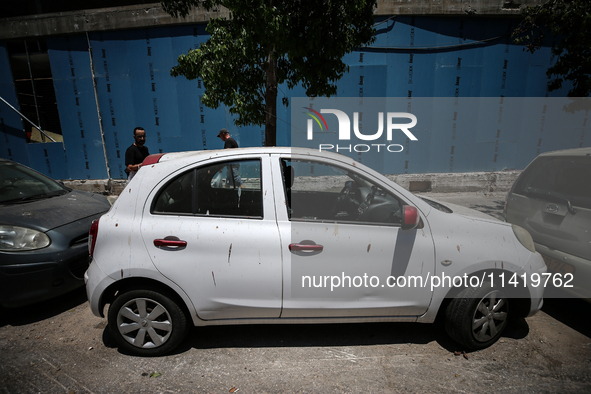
(232, 188)
(177, 196)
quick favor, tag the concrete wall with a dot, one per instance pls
(152, 14)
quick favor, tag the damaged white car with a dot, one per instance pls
(289, 235)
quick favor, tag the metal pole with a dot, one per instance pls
(33, 84)
(98, 109)
(27, 119)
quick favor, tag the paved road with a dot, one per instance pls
(60, 347)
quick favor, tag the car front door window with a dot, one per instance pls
(322, 192)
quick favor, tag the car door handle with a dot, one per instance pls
(306, 248)
(170, 243)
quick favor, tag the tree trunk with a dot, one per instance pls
(271, 100)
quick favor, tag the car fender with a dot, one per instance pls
(466, 247)
(120, 232)
(133, 277)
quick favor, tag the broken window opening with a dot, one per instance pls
(33, 82)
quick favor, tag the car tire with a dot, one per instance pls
(147, 323)
(477, 316)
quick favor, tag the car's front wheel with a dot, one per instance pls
(147, 323)
(477, 316)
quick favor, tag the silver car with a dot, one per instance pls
(551, 199)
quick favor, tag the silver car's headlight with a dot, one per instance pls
(524, 237)
(16, 239)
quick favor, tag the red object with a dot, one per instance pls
(152, 159)
(169, 242)
(298, 247)
(411, 215)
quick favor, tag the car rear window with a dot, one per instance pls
(558, 178)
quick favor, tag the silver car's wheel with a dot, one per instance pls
(146, 322)
(490, 316)
(477, 317)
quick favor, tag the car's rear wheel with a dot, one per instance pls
(147, 323)
(477, 316)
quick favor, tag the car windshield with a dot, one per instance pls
(558, 178)
(21, 184)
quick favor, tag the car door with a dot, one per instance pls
(211, 229)
(345, 254)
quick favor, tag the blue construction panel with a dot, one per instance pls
(453, 134)
(13, 143)
(418, 155)
(73, 84)
(364, 81)
(49, 158)
(193, 121)
(155, 98)
(115, 97)
(283, 121)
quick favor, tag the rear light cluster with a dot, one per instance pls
(92, 236)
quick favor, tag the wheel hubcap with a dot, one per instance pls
(144, 323)
(490, 316)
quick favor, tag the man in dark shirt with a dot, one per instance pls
(235, 180)
(136, 153)
(229, 142)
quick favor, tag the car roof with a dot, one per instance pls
(204, 154)
(569, 152)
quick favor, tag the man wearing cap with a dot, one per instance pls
(229, 142)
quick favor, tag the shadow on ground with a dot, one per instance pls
(573, 312)
(42, 310)
(321, 335)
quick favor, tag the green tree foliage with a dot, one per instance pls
(569, 24)
(265, 43)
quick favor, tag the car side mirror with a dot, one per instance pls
(410, 217)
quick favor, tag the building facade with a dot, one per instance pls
(88, 77)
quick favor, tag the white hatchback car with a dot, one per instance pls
(290, 235)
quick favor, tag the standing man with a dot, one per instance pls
(136, 153)
(229, 142)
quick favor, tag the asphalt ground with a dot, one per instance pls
(60, 347)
